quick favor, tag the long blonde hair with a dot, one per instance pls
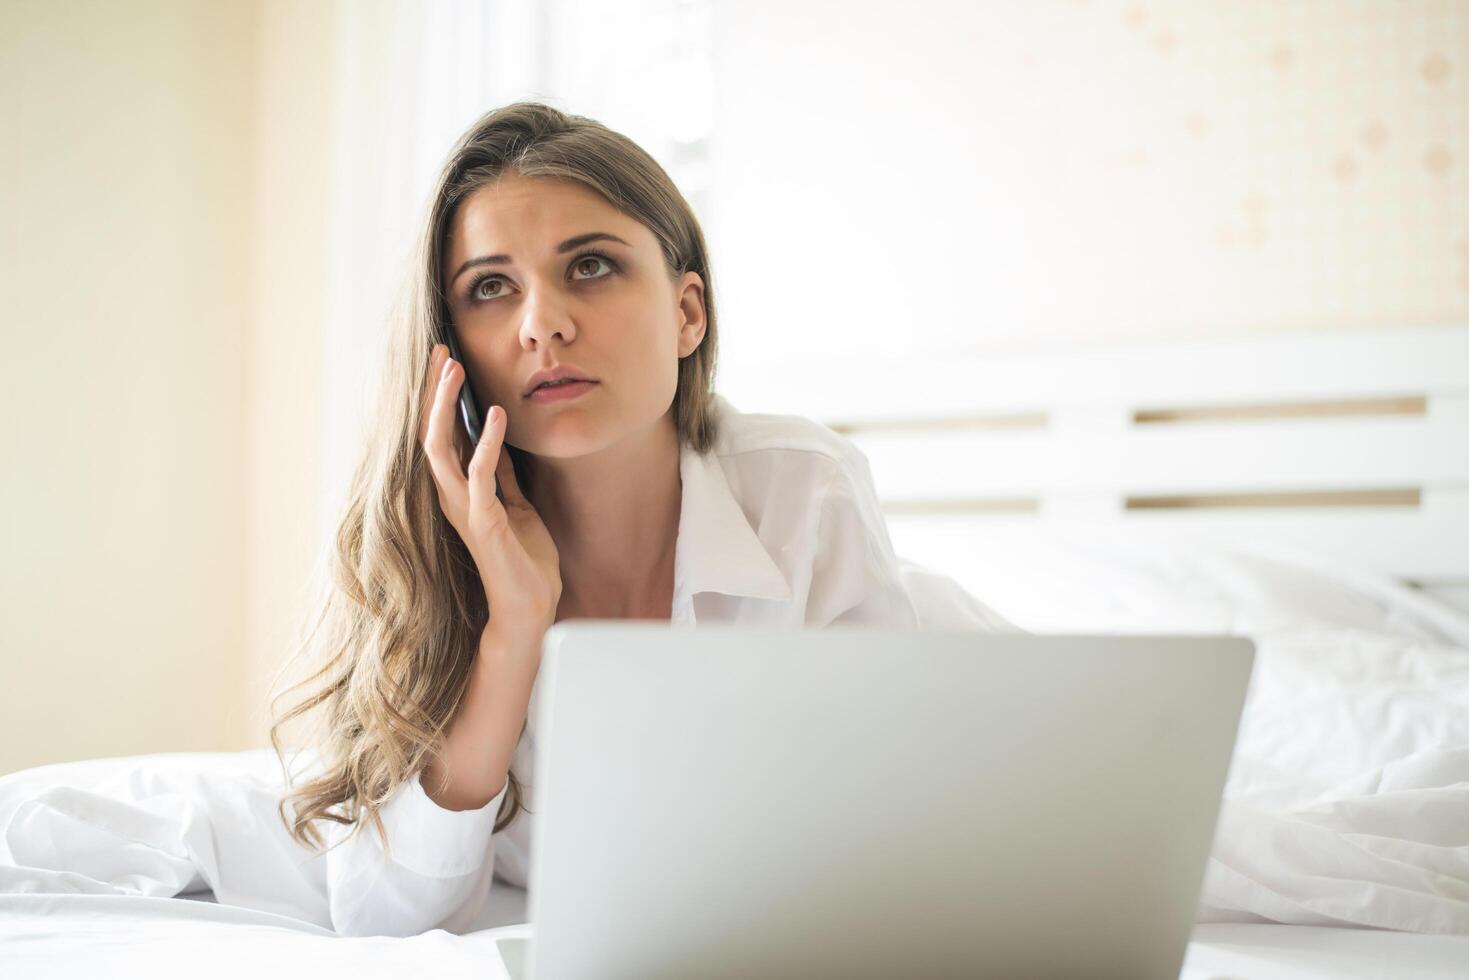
(399, 604)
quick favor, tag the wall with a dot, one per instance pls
(942, 176)
(287, 384)
(127, 184)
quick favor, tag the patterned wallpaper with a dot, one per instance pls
(1314, 152)
(1007, 175)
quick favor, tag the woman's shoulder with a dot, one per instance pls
(797, 470)
(809, 490)
(746, 437)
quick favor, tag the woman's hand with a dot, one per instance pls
(519, 567)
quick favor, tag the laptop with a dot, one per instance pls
(861, 803)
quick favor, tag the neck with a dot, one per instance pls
(614, 517)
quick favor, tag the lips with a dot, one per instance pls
(561, 392)
(561, 372)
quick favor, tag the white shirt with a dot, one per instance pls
(779, 525)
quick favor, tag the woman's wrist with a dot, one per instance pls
(511, 642)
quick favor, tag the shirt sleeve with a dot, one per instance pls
(438, 876)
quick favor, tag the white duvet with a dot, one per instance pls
(1347, 802)
(1348, 795)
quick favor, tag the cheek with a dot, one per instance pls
(496, 382)
(635, 331)
(658, 360)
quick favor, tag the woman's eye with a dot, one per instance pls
(588, 264)
(590, 261)
(475, 292)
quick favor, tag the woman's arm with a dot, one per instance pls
(482, 737)
(438, 877)
(440, 823)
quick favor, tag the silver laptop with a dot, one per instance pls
(856, 803)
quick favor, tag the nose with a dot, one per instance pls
(544, 319)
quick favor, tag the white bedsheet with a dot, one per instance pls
(140, 938)
(1347, 802)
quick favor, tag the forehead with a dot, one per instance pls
(519, 215)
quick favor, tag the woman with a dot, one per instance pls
(557, 249)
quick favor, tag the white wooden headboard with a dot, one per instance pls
(1354, 445)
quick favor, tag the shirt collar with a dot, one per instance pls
(718, 550)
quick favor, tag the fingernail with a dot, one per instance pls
(444, 374)
(494, 414)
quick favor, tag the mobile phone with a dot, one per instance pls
(468, 404)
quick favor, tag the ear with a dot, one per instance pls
(691, 309)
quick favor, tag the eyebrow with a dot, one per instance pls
(566, 246)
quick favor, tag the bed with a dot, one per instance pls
(1312, 493)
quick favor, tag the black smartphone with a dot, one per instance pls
(468, 404)
(469, 409)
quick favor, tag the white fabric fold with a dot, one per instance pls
(435, 841)
(1388, 850)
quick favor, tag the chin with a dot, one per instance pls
(566, 435)
(569, 434)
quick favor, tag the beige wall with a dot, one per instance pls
(296, 86)
(164, 160)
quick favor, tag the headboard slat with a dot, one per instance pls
(1354, 443)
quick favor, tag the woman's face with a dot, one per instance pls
(529, 289)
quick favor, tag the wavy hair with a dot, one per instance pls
(398, 604)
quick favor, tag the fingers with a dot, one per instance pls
(505, 473)
(439, 432)
(430, 389)
(482, 466)
(439, 445)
